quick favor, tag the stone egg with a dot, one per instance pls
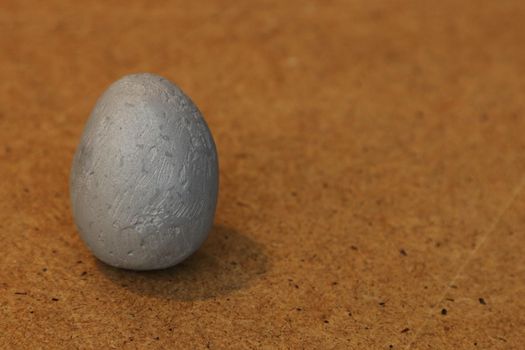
(144, 179)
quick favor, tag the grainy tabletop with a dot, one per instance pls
(372, 162)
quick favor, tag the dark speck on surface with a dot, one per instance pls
(482, 301)
(444, 311)
(405, 330)
(403, 252)
(54, 299)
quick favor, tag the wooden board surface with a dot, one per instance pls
(372, 170)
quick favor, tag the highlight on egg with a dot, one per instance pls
(144, 180)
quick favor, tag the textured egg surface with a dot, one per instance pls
(144, 180)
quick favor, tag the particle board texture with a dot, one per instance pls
(372, 165)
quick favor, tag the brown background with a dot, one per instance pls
(372, 158)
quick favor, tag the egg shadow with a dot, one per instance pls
(226, 262)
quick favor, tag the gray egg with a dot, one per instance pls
(144, 180)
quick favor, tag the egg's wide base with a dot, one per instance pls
(141, 267)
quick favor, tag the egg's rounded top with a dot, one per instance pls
(144, 180)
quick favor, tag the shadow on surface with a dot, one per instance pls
(226, 262)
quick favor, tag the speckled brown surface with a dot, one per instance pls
(372, 171)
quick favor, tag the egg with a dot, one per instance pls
(144, 179)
